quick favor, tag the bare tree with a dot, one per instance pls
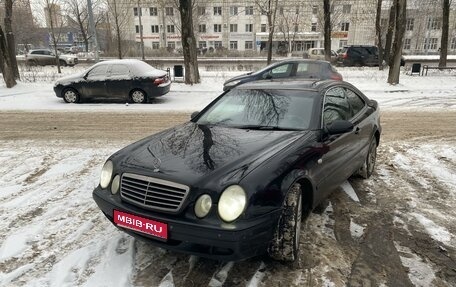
(10, 41)
(389, 35)
(188, 42)
(378, 31)
(289, 23)
(55, 19)
(445, 27)
(78, 12)
(269, 7)
(119, 12)
(327, 29)
(401, 14)
(5, 65)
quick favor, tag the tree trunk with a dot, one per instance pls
(401, 15)
(54, 39)
(82, 28)
(116, 20)
(188, 43)
(389, 35)
(444, 40)
(5, 66)
(378, 30)
(327, 29)
(10, 42)
(272, 10)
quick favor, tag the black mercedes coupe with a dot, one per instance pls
(242, 175)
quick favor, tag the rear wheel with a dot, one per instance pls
(138, 97)
(285, 243)
(31, 63)
(369, 164)
(70, 96)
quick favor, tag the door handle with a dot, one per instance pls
(357, 130)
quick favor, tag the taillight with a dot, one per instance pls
(159, 81)
(344, 56)
(336, 76)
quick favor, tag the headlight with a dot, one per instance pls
(106, 174)
(232, 203)
(115, 184)
(203, 205)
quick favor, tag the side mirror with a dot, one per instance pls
(194, 114)
(339, 127)
(267, 75)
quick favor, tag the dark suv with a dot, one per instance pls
(358, 55)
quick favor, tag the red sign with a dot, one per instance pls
(141, 224)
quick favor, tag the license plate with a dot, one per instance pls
(141, 224)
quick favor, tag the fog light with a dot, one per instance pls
(203, 205)
(115, 184)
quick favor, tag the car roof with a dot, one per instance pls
(288, 84)
(300, 60)
(120, 61)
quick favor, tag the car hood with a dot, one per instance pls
(69, 79)
(65, 56)
(238, 78)
(195, 154)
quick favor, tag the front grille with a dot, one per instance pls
(153, 193)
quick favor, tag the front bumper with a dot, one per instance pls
(228, 243)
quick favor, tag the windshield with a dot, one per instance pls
(261, 109)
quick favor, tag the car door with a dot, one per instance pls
(336, 163)
(94, 86)
(119, 81)
(362, 127)
(48, 58)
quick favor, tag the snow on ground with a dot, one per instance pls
(437, 90)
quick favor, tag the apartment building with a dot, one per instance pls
(243, 25)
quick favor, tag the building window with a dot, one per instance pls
(217, 28)
(153, 11)
(249, 10)
(233, 10)
(249, 27)
(384, 23)
(281, 10)
(433, 24)
(169, 11)
(430, 44)
(201, 10)
(154, 29)
(233, 28)
(409, 24)
(407, 43)
(171, 45)
(137, 28)
(453, 44)
(249, 45)
(170, 29)
(343, 43)
(135, 11)
(155, 45)
(345, 26)
(202, 44)
(296, 28)
(202, 28)
(346, 9)
(263, 28)
(313, 27)
(233, 45)
(314, 10)
(218, 11)
(218, 44)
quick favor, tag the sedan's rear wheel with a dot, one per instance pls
(369, 164)
(138, 97)
(70, 96)
(285, 243)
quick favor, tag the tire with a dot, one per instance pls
(369, 164)
(32, 63)
(62, 63)
(285, 242)
(138, 97)
(70, 96)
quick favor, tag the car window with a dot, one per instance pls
(308, 70)
(47, 53)
(119, 71)
(281, 71)
(356, 103)
(37, 52)
(336, 106)
(97, 72)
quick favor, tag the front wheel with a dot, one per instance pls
(285, 243)
(369, 164)
(70, 96)
(138, 97)
(62, 63)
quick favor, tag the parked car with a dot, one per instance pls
(358, 55)
(44, 57)
(126, 80)
(238, 178)
(290, 68)
(319, 54)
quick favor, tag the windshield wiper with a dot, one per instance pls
(270, 128)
